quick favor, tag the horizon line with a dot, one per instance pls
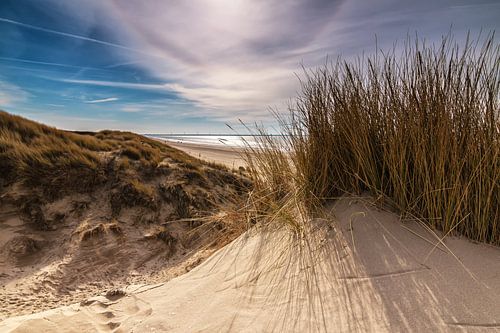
(208, 134)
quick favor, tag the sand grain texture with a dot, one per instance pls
(368, 273)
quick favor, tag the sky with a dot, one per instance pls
(162, 66)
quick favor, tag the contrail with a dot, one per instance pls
(38, 62)
(65, 34)
(52, 64)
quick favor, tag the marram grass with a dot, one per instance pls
(419, 129)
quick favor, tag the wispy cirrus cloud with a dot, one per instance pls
(235, 58)
(104, 100)
(223, 71)
(200, 60)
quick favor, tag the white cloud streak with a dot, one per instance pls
(232, 59)
(104, 100)
(235, 59)
(115, 84)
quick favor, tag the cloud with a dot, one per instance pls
(164, 106)
(10, 94)
(237, 57)
(126, 63)
(65, 34)
(229, 58)
(234, 59)
(55, 64)
(104, 100)
(132, 108)
(114, 84)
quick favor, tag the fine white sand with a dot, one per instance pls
(366, 272)
(229, 156)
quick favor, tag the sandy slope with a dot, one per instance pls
(369, 272)
(139, 225)
(40, 270)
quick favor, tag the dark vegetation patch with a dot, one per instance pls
(177, 197)
(115, 294)
(132, 193)
(225, 177)
(165, 236)
(78, 207)
(195, 177)
(30, 209)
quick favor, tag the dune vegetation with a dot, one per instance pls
(56, 160)
(84, 212)
(44, 164)
(417, 127)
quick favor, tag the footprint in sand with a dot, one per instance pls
(116, 308)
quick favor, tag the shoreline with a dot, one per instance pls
(226, 155)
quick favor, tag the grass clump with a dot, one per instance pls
(42, 156)
(419, 129)
(177, 196)
(133, 193)
(60, 162)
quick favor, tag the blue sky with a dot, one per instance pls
(193, 66)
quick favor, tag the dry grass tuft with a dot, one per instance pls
(93, 232)
(62, 162)
(133, 193)
(177, 196)
(87, 231)
(419, 129)
(162, 234)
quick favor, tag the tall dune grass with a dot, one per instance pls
(59, 161)
(419, 129)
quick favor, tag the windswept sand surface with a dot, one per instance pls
(35, 276)
(367, 272)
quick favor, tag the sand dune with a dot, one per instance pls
(83, 213)
(85, 255)
(366, 272)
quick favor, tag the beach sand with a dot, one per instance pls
(229, 156)
(361, 270)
